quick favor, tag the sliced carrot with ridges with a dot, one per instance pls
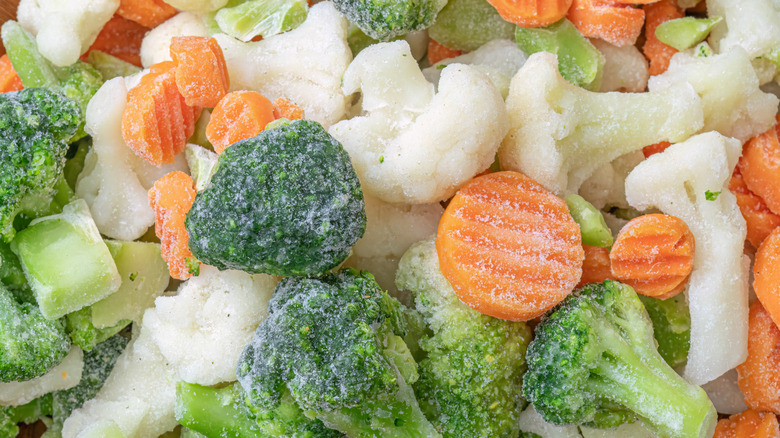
(121, 38)
(201, 73)
(157, 122)
(759, 219)
(748, 424)
(596, 266)
(531, 13)
(283, 108)
(760, 166)
(147, 13)
(238, 116)
(658, 53)
(613, 22)
(653, 254)
(655, 148)
(759, 375)
(509, 247)
(766, 274)
(9, 80)
(438, 52)
(171, 198)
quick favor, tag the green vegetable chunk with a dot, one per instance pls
(671, 327)
(287, 202)
(594, 360)
(385, 19)
(261, 17)
(684, 33)
(593, 228)
(83, 332)
(11, 416)
(468, 24)
(109, 66)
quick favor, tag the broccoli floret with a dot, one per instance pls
(385, 19)
(671, 327)
(30, 344)
(84, 333)
(224, 412)
(12, 275)
(470, 381)
(594, 360)
(336, 344)
(11, 416)
(288, 203)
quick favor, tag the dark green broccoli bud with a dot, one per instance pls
(468, 24)
(30, 344)
(671, 327)
(470, 382)
(288, 202)
(11, 416)
(12, 275)
(385, 19)
(593, 359)
(336, 344)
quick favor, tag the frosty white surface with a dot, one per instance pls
(66, 375)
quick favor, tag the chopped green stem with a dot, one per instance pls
(33, 69)
(214, 412)
(261, 17)
(593, 228)
(684, 33)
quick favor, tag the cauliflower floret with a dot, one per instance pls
(607, 184)
(156, 45)
(676, 182)
(753, 25)
(411, 146)
(304, 65)
(64, 29)
(201, 6)
(66, 375)
(625, 68)
(561, 133)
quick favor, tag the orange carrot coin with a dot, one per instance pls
(760, 166)
(509, 247)
(613, 22)
(9, 80)
(748, 424)
(238, 116)
(147, 13)
(653, 254)
(171, 198)
(595, 267)
(120, 38)
(759, 375)
(531, 13)
(201, 73)
(766, 274)
(759, 219)
(438, 52)
(283, 108)
(658, 53)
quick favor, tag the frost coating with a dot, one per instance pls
(64, 376)
(531, 421)
(197, 5)
(156, 45)
(752, 24)
(412, 146)
(675, 181)
(65, 29)
(625, 68)
(303, 65)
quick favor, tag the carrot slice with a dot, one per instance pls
(147, 13)
(120, 38)
(201, 73)
(760, 166)
(596, 266)
(766, 274)
(171, 198)
(238, 116)
(759, 219)
(531, 13)
(759, 375)
(658, 53)
(613, 22)
(9, 80)
(509, 247)
(655, 148)
(748, 424)
(653, 254)
(438, 52)
(157, 122)
(283, 108)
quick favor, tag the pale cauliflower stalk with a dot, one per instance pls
(66, 375)
(156, 45)
(412, 146)
(64, 29)
(676, 181)
(753, 25)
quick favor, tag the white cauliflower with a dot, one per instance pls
(156, 45)
(676, 182)
(304, 65)
(625, 68)
(530, 421)
(66, 375)
(607, 184)
(412, 146)
(561, 134)
(64, 29)
(753, 25)
(201, 6)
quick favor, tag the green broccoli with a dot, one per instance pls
(335, 343)
(470, 382)
(594, 360)
(671, 327)
(30, 344)
(12, 275)
(468, 24)
(288, 202)
(83, 332)
(11, 416)
(385, 19)
(224, 412)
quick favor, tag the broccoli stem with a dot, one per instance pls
(33, 69)
(214, 412)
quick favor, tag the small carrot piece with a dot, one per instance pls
(147, 13)
(438, 52)
(238, 116)
(655, 148)
(760, 166)
(201, 73)
(596, 266)
(748, 424)
(759, 376)
(120, 38)
(759, 219)
(9, 80)
(157, 122)
(171, 198)
(509, 247)
(653, 254)
(766, 274)
(613, 22)
(658, 53)
(283, 108)
(531, 13)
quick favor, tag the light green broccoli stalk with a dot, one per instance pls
(671, 327)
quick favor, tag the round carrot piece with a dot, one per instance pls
(509, 247)
(171, 198)
(766, 274)
(201, 73)
(438, 52)
(613, 22)
(759, 219)
(759, 375)
(531, 13)
(120, 38)
(238, 116)
(760, 166)
(596, 266)
(653, 254)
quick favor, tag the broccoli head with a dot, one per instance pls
(288, 202)
(30, 344)
(593, 360)
(336, 344)
(385, 19)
